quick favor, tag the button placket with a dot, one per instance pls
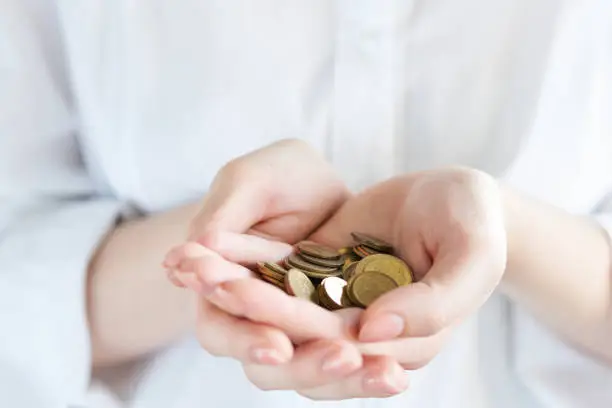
(366, 89)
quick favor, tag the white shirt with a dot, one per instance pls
(107, 105)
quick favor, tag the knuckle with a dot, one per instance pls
(211, 239)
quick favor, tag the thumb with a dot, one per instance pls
(456, 285)
(233, 204)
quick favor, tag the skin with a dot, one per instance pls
(461, 231)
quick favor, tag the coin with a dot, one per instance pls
(272, 270)
(349, 271)
(345, 250)
(317, 250)
(315, 272)
(297, 261)
(330, 292)
(275, 282)
(372, 242)
(388, 265)
(364, 288)
(299, 285)
(346, 300)
(369, 250)
(330, 263)
(363, 251)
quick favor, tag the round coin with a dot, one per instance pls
(346, 300)
(317, 250)
(330, 263)
(332, 289)
(275, 282)
(367, 250)
(275, 267)
(388, 265)
(361, 251)
(372, 242)
(266, 269)
(345, 250)
(299, 285)
(297, 261)
(349, 271)
(366, 287)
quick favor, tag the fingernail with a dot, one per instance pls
(226, 300)
(382, 383)
(338, 361)
(382, 328)
(267, 356)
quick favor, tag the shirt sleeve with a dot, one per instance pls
(51, 220)
(557, 374)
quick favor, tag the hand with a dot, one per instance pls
(280, 193)
(449, 226)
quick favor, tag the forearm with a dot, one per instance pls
(133, 309)
(559, 267)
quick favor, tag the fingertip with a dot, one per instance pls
(382, 327)
(182, 251)
(384, 376)
(415, 310)
(342, 358)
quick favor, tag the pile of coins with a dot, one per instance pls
(335, 279)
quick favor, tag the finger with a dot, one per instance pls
(224, 335)
(182, 251)
(372, 211)
(234, 203)
(173, 278)
(261, 302)
(313, 364)
(380, 377)
(244, 248)
(210, 271)
(458, 282)
(284, 179)
(412, 353)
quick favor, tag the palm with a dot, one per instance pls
(448, 225)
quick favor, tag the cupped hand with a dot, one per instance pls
(449, 226)
(257, 206)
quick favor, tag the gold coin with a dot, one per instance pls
(346, 299)
(273, 281)
(350, 258)
(349, 270)
(345, 250)
(317, 250)
(299, 285)
(360, 252)
(330, 263)
(272, 270)
(386, 264)
(369, 250)
(297, 261)
(372, 242)
(331, 291)
(366, 287)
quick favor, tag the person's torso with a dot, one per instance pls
(167, 92)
